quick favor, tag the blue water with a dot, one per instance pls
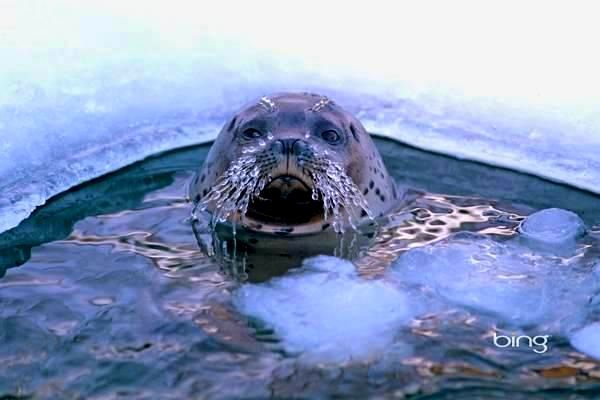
(105, 293)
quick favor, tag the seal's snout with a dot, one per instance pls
(288, 172)
(288, 197)
(290, 147)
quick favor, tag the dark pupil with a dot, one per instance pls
(330, 136)
(252, 133)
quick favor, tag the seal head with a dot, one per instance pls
(293, 163)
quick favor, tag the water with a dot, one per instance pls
(105, 293)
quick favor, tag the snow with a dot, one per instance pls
(89, 88)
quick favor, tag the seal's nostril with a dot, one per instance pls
(278, 147)
(299, 147)
(289, 146)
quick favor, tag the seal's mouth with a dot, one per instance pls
(287, 199)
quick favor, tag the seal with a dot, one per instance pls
(293, 164)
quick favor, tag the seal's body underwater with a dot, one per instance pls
(294, 164)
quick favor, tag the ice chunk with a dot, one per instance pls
(502, 279)
(552, 227)
(476, 273)
(587, 340)
(327, 312)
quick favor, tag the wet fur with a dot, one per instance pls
(292, 115)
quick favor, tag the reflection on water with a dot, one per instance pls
(105, 292)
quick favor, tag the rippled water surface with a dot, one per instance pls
(104, 293)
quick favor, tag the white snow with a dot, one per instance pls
(77, 77)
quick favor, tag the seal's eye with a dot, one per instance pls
(251, 133)
(331, 136)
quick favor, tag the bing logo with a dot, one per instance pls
(538, 344)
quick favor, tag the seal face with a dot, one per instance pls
(293, 163)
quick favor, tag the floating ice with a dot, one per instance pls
(327, 312)
(505, 280)
(587, 340)
(552, 227)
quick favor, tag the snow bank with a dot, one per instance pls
(87, 89)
